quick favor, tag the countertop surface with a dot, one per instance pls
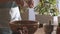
(39, 31)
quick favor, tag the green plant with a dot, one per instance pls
(47, 7)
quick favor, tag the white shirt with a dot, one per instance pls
(15, 14)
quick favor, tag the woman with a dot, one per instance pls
(8, 12)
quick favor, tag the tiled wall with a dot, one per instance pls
(40, 18)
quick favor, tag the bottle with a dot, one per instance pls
(48, 28)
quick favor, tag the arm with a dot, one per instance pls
(31, 3)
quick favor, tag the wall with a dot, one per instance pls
(40, 18)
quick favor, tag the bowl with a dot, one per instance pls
(26, 27)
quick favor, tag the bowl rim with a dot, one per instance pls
(36, 22)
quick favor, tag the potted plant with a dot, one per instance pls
(47, 8)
